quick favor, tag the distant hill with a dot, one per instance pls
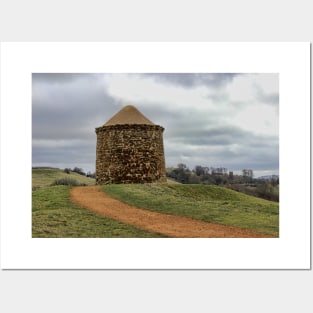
(268, 177)
(45, 176)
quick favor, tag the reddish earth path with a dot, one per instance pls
(94, 199)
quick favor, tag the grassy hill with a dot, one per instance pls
(54, 215)
(204, 202)
(45, 176)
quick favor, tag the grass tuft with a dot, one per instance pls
(67, 182)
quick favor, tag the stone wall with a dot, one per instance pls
(130, 154)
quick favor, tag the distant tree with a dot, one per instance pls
(182, 166)
(194, 179)
(274, 181)
(219, 170)
(79, 171)
(206, 170)
(181, 173)
(91, 175)
(218, 180)
(247, 175)
(199, 170)
(67, 170)
(267, 191)
(183, 176)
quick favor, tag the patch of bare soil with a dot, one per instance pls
(94, 199)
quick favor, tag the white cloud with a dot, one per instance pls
(239, 106)
(241, 89)
(146, 91)
(268, 82)
(244, 89)
(256, 118)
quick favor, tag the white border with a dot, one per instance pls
(20, 251)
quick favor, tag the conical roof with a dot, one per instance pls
(128, 115)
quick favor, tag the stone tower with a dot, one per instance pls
(129, 149)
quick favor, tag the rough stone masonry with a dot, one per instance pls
(129, 149)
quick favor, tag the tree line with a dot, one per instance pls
(207, 175)
(79, 171)
(246, 183)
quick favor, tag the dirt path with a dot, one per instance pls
(180, 227)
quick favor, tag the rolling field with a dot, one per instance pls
(207, 203)
(54, 215)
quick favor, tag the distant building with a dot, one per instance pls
(231, 174)
(219, 171)
(247, 173)
(129, 149)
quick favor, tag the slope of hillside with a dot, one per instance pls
(54, 215)
(42, 177)
(203, 202)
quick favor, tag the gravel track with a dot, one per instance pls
(94, 199)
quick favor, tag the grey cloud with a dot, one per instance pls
(60, 111)
(67, 107)
(272, 99)
(61, 78)
(244, 157)
(223, 135)
(230, 147)
(189, 80)
(267, 98)
(81, 153)
(158, 115)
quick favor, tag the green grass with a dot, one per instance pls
(42, 177)
(203, 202)
(55, 216)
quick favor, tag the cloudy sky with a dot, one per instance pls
(218, 120)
